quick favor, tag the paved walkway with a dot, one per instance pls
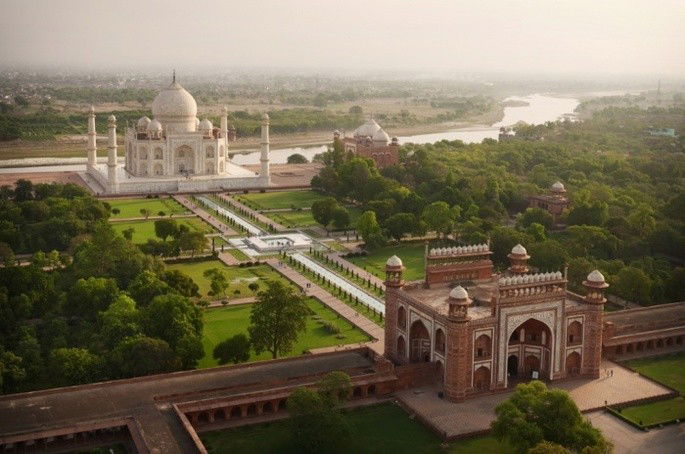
(347, 312)
(153, 218)
(335, 256)
(260, 217)
(205, 216)
(629, 440)
(233, 302)
(473, 415)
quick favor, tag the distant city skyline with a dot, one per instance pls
(542, 37)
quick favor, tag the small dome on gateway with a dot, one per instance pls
(394, 261)
(265, 116)
(596, 276)
(519, 250)
(459, 293)
(558, 187)
(143, 122)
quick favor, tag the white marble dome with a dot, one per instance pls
(143, 122)
(381, 137)
(174, 102)
(368, 129)
(558, 186)
(154, 126)
(519, 250)
(596, 277)
(394, 261)
(459, 293)
(205, 125)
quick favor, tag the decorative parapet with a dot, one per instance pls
(531, 286)
(458, 251)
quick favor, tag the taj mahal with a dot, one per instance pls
(172, 152)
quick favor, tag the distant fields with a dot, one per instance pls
(224, 322)
(130, 208)
(145, 230)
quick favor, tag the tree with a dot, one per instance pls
(277, 319)
(356, 110)
(218, 283)
(119, 321)
(165, 228)
(116, 211)
(535, 215)
(545, 447)
(89, 296)
(322, 211)
(589, 213)
(297, 158)
(146, 286)
(141, 355)
(177, 321)
(399, 224)
(317, 424)
(370, 230)
(39, 259)
(74, 366)
(23, 190)
(12, 372)
(128, 233)
(192, 241)
(634, 285)
(7, 256)
(438, 217)
(235, 349)
(548, 255)
(145, 213)
(181, 282)
(534, 414)
(341, 218)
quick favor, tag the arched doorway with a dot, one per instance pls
(401, 318)
(513, 366)
(401, 348)
(573, 364)
(185, 160)
(440, 341)
(534, 338)
(439, 371)
(481, 378)
(531, 366)
(420, 342)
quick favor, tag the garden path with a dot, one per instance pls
(260, 217)
(336, 257)
(208, 218)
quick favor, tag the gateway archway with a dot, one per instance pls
(531, 341)
(420, 342)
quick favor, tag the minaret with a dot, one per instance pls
(594, 323)
(393, 283)
(112, 155)
(458, 354)
(92, 137)
(224, 123)
(264, 159)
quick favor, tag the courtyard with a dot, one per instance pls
(380, 428)
(224, 322)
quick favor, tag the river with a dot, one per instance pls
(540, 109)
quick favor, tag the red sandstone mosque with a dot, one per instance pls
(485, 332)
(371, 141)
(554, 203)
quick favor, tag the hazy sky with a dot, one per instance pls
(576, 36)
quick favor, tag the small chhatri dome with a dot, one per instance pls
(558, 187)
(206, 125)
(143, 122)
(394, 261)
(381, 136)
(265, 116)
(519, 250)
(174, 102)
(112, 119)
(368, 129)
(596, 277)
(459, 293)
(154, 125)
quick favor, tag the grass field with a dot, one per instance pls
(383, 428)
(224, 322)
(292, 219)
(239, 278)
(130, 208)
(669, 370)
(410, 253)
(280, 200)
(145, 230)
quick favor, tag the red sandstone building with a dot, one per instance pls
(371, 141)
(518, 326)
(554, 203)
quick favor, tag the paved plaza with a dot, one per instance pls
(629, 440)
(474, 415)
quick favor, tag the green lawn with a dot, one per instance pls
(224, 322)
(238, 277)
(410, 253)
(669, 370)
(291, 219)
(383, 428)
(280, 200)
(130, 208)
(145, 230)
